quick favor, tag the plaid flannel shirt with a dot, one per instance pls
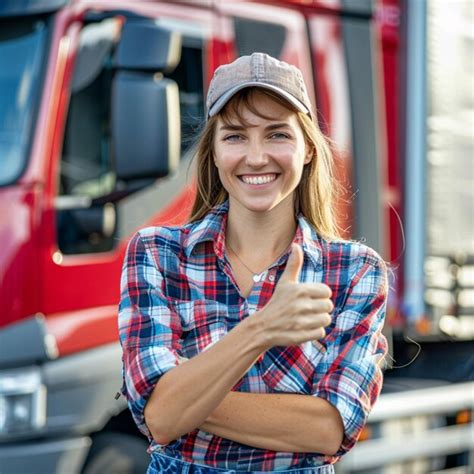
(178, 297)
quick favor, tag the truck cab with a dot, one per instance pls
(108, 96)
(100, 101)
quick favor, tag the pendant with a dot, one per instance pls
(256, 277)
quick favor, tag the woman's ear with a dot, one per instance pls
(309, 154)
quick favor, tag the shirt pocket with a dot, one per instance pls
(291, 369)
(204, 322)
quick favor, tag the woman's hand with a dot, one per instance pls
(297, 312)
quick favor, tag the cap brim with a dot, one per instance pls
(223, 99)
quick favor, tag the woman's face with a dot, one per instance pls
(260, 166)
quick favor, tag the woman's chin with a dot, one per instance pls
(256, 204)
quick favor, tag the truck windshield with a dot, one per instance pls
(22, 48)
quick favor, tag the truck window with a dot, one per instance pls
(22, 48)
(87, 158)
(85, 164)
(189, 77)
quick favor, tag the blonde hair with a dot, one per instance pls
(315, 193)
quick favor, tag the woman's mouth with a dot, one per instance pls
(258, 180)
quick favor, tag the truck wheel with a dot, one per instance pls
(117, 453)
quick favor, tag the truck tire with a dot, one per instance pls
(117, 453)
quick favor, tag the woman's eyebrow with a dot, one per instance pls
(232, 127)
(270, 127)
(274, 126)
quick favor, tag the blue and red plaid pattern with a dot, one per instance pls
(178, 297)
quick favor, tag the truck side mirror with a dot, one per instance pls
(146, 135)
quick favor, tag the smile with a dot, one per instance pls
(261, 179)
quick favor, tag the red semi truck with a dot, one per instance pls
(99, 101)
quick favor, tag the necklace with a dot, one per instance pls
(255, 276)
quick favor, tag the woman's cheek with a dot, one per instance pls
(225, 180)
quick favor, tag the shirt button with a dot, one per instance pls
(271, 277)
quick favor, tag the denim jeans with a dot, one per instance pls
(163, 464)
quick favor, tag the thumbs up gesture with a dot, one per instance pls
(297, 312)
(293, 265)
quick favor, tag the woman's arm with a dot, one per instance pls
(185, 396)
(279, 422)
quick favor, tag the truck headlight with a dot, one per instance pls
(22, 401)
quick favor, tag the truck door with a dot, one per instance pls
(87, 233)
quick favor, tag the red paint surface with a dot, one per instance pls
(20, 271)
(85, 329)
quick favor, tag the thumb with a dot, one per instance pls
(293, 265)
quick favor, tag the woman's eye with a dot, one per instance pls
(233, 138)
(279, 135)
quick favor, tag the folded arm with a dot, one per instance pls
(278, 422)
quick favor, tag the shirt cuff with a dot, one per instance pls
(143, 367)
(352, 401)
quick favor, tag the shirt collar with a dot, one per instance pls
(310, 241)
(212, 228)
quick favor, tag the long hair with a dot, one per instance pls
(315, 193)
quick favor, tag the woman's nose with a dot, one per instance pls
(256, 154)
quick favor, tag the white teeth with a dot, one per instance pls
(258, 179)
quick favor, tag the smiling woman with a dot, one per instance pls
(260, 158)
(316, 188)
(252, 335)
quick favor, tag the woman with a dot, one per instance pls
(251, 336)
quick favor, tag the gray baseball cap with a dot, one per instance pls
(257, 70)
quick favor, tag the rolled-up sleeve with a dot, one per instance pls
(150, 332)
(350, 373)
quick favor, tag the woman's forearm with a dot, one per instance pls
(186, 395)
(279, 422)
